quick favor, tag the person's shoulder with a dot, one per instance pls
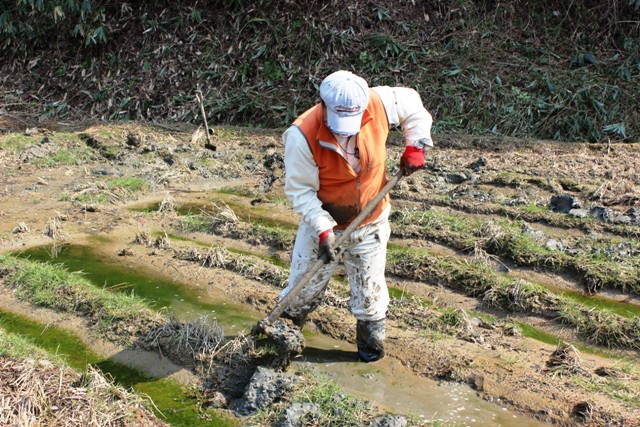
(293, 132)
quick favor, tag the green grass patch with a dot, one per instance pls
(18, 143)
(68, 157)
(537, 334)
(85, 199)
(597, 326)
(131, 184)
(532, 208)
(547, 338)
(622, 384)
(334, 407)
(196, 224)
(26, 338)
(595, 260)
(52, 286)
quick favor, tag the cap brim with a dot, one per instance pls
(343, 123)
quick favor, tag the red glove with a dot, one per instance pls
(412, 160)
(326, 251)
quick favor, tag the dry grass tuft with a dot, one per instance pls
(565, 359)
(142, 238)
(21, 228)
(53, 228)
(224, 214)
(491, 234)
(43, 394)
(161, 242)
(168, 204)
(240, 350)
(196, 341)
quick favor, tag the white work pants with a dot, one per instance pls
(364, 258)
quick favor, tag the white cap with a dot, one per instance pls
(346, 97)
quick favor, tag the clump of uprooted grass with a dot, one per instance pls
(596, 325)
(565, 360)
(118, 315)
(185, 342)
(518, 242)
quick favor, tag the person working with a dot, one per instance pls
(335, 157)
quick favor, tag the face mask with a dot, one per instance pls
(345, 134)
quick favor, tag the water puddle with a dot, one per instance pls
(242, 207)
(386, 382)
(398, 390)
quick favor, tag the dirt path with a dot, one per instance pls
(41, 203)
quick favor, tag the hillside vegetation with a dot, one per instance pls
(565, 70)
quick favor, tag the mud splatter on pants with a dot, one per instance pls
(364, 259)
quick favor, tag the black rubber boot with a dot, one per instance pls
(370, 340)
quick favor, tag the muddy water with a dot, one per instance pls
(386, 382)
(241, 206)
(398, 390)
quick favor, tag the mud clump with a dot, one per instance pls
(288, 339)
(265, 387)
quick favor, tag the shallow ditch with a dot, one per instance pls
(387, 383)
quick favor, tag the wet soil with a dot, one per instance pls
(246, 174)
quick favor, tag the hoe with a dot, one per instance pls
(289, 340)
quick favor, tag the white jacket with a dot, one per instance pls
(403, 106)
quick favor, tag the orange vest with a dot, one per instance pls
(343, 192)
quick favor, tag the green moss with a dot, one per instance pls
(22, 337)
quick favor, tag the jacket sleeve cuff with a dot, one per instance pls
(324, 222)
(423, 143)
